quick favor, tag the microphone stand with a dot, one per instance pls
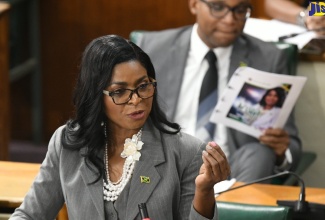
(143, 211)
(302, 210)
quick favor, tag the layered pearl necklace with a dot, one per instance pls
(112, 190)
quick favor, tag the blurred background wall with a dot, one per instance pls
(66, 27)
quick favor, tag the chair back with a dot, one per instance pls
(307, 159)
(292, 53)
(238, 211)
(135, 35)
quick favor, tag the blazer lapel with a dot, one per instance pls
(151, 155)
(95, 190)
(239, 56)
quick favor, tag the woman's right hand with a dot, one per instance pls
(215, 167)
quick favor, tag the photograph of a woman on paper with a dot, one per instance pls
(269, 108)
(258, 107)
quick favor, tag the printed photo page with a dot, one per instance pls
(255, 100)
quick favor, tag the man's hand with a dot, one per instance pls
(277, 139)
(316, 23)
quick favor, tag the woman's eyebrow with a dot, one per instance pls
(142, 78)
(118, 83)
(122, 83)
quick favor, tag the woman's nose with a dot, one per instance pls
(135, 99)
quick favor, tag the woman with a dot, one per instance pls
(269, 108)
(120, 150)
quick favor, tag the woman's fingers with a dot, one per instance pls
(216, 163)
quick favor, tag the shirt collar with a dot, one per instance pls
(198, 45)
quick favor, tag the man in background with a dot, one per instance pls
(184, 59)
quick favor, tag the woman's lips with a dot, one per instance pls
(136, 115)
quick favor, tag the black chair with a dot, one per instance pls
(308, 157)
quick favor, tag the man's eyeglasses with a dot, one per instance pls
(219, 10)
(122, 96)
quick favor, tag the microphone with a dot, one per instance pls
(302, 210)
(143, 211)
(296, 34)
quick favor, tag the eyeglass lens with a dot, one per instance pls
(144, 91)
(220, 9)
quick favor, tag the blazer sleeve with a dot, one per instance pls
(45, 198)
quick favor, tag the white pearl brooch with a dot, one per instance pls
(132, 147)
(131, 153)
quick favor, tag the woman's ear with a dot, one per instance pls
(192, 6)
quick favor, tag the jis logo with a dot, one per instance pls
(316, 8)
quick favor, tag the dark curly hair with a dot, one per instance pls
(279, 92)
(85, 130)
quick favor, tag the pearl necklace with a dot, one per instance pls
(112, 190)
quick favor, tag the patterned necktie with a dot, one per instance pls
(208, 99)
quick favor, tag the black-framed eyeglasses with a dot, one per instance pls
(219, 9)
(122, 96)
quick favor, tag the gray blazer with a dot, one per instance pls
(171, 162)
(168, 50)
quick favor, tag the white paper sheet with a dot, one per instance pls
(238, 106)
(271, 30)
(223, 185)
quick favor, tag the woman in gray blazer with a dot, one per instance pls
(120, 150)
